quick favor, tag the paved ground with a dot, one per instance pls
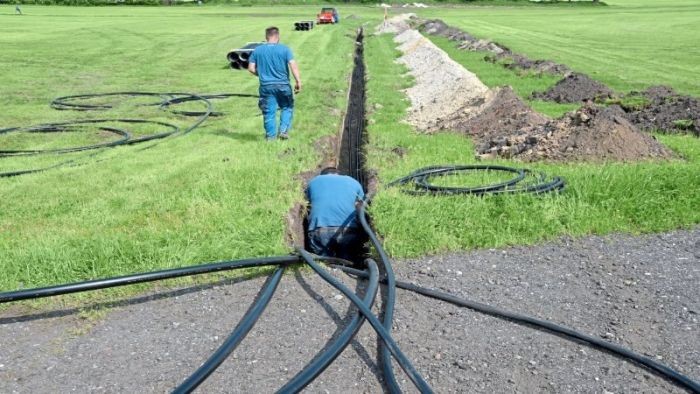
(641, 292)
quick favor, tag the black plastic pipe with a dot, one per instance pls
(323, 360)
(400, 357)
(98, 284)
(388, 318)
(236, 337)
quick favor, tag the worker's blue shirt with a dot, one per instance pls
(271, 62)
(332, 199)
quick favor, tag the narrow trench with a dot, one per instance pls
(350, 155)
(344, 150)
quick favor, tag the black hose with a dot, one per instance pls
(324, 359)
(236, 337)
(420, 179)
(97, 284)
(553, 327)
(387, 370)
(400, 357)
(78, 103)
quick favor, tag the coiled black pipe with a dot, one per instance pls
(324, 359)
(236, 337)
(420, 179)
(400, 357)
(78, 103)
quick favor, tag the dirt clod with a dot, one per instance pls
(504, 114)
(590, 133)
(666, 111)
(575, 88)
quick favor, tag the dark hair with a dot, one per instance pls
(271, 32)
(329, 170)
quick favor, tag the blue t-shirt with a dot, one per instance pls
(332, 199)
(271, 62)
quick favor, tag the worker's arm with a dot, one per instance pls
(295, 72)
(253, 69)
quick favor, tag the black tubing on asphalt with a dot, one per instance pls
(400, 357)
(97, 284)
(660, 369)
(387, 370)
(239, 333)
(567, 333)
(420, 179)
(332, 351)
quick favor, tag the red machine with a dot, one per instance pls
(328, 15)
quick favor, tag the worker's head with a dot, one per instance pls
(272, 34)
(329, 170)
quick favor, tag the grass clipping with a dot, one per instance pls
(446, 96)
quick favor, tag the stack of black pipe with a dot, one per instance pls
(238, 58)
(303, 25)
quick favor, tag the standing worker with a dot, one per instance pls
(333, 226)
(271, 63)
(18, 10)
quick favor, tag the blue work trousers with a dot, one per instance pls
(271, 98)
(342, 242)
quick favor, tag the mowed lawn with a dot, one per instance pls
(630, 44)
(218, 193)
(221, 192)
(600, 198)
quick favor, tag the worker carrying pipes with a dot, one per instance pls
(271, 63)
(333, 228)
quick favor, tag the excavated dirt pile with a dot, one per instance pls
(667, 111)
(575, 88)
(501, 53)
(448, 97)
(508, 128)
(503, 115)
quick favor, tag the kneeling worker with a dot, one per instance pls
(333, 229)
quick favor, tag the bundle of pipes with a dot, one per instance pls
(304, 25)
(238, 58)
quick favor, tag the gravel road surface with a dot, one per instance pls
(641, 292)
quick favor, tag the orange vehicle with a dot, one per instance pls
(328, 15)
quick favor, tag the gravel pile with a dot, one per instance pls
(442, 88)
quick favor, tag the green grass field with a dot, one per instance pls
(222, 193)
(630, 44)
(217, 193)
(599, 199)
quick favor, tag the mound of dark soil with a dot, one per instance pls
(575, 88)
(666, 111)
(514, 61)
(501, 53)
(440, 28)
(503, 115)
(590, 133)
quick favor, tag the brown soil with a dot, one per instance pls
(515, 61)
(590, 133)
(666, 111)
(503, 115)
(447, 97)
(575, 88)
(501, 53)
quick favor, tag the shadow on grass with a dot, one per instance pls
(238, 136)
